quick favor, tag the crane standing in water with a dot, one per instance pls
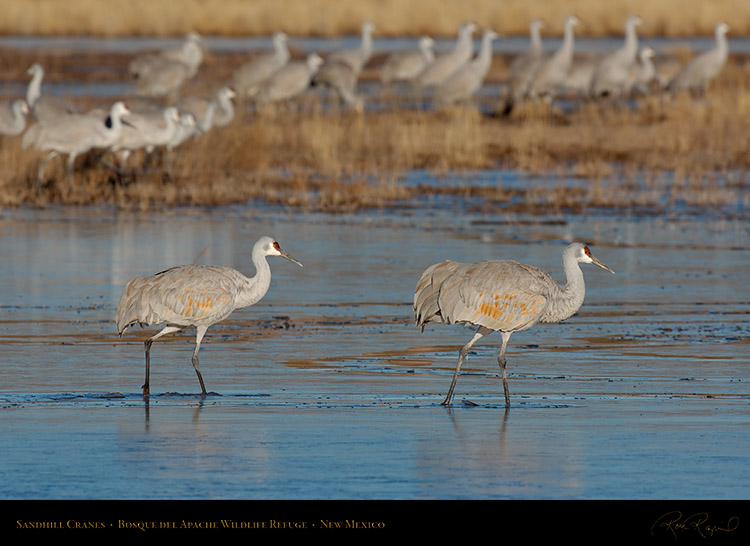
(499, 295)
(194, 295)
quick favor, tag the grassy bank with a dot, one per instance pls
(668, 18)
(337, 160)
(655, 154)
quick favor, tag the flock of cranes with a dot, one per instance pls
(159, 115)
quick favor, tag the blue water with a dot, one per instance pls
(326, 390)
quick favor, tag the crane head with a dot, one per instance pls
(589, 258)
(275, 250)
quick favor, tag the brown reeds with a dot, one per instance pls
(334, 17)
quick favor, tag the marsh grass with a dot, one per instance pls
(654, 152)
(335, 17)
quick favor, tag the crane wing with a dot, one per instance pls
(182, 296)
(426, 308)
(501, 295)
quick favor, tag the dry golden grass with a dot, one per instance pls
(336, 17)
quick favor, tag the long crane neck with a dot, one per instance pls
(630, 48)
(35, 88)
(366, 46)
(536, 40)
(568, 300)
(227, 107)
(566, 49)
(427, 53)
(721, 43)
(464, 44)
(256, 286)
(484, 59)
(280, 48)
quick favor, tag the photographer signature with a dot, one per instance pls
(697, 523)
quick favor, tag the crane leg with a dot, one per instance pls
(166, 330)
(198, 338)
(40, 174)
(71, 170)
(501, 362)
(461, 356)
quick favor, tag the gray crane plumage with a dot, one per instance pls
(342, 79)
(405, 66)
(644, 75)
(13, 117)
(446, 63)
(164, 81)
(581, 74)
(552, 72)
(73, 135)
(163, 74)
(700, 71)
(249, 76)
(222, 111)
(359, 57)
(289, 81)
(189, 54)
(613, 73)
(468, 79)
(44, 107)
(186, 129)
(194, 295)
(499, 295)
(524, 67)
(146, 131)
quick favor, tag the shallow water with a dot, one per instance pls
(326, 390)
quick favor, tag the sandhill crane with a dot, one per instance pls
(446, 63)
(553, 72)
(224, 107)
(190, 54)
(162, 74)
(611, 76)
(643, 75)
(250, 75)
(73, 135)
(186, 129)
(524, 67)
(580, 75)
(164, 81)
(289, 81)
(405, 66)
(146, 131)
(194, 295)
(44, 107)
(700, 71)
(220, 104)
(499, 295)
(466, 81)
(342, 79)
(356, 58)
(13, 117)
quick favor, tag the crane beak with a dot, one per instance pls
(283, 254)
(600, 264)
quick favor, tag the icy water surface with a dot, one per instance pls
(326, 389)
